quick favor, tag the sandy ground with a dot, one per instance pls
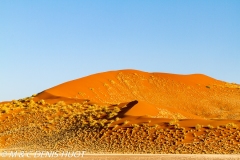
(140, 157)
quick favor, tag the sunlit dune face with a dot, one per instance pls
(185, 96)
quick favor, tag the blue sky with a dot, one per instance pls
(44, 43)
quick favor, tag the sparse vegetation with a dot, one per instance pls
(173, 122)
(198, 127)
(231, 125)
(210, 126)
(126, 122)
(100, 128)
(79, 126)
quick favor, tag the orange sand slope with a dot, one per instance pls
(157, 95)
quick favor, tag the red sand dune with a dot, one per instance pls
(127, 111)
(159, 95)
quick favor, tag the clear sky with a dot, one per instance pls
(47, 42)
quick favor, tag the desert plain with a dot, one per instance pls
(127, 112)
